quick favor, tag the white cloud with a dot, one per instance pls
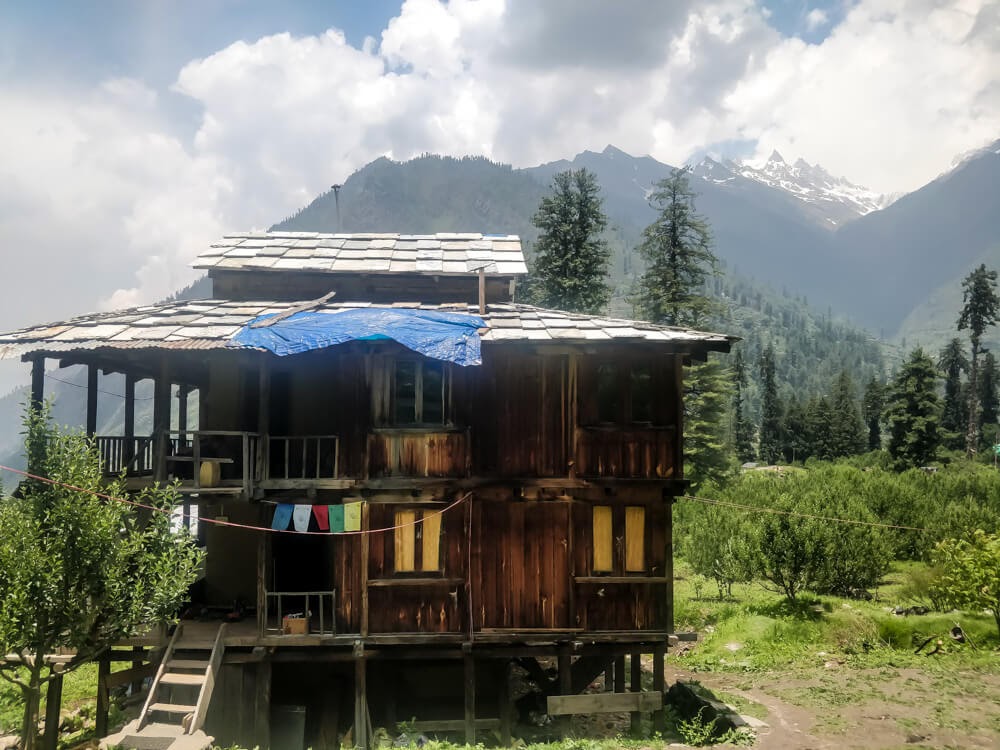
(816, 19)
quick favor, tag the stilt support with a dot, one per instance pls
(470, 694)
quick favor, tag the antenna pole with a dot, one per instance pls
(336, 199)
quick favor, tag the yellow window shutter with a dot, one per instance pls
(404, 538)
(431, 543)
(603, 546)
(635, 539)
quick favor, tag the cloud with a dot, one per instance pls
(816, 19)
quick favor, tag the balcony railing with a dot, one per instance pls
(302, 457)
(133, 455)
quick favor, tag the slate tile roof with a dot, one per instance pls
(442, 253)
(209, 324)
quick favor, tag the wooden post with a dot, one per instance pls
(129, 431)
(482, 290)
(182, 414)
(505, 705)
(620, 674)
(635, 686)
(668, 567)
(262, 705)
(565, 680)
(262, 577)
(53, 705)
(361, 739)
(659, 674)
(364, 569)
(264, 421)
(161, 422)
(103, 699)
(37, 382)
(470, 694)
(137, 659)
(91, 400)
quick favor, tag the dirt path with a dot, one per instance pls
(867, 708)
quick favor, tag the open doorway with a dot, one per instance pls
(301, 584)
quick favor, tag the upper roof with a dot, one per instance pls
(438, 254)
(209, 324)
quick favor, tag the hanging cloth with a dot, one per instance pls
(322, 514)
(352, 517)
(282, 515)
(300, 517)
(336, 519)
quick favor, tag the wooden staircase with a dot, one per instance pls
(178, 700)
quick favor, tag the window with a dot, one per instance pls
(417, 541)
(624, 393)
(634, 539)
(418, 392)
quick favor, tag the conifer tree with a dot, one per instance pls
(988, 400)
(705, 401)
(769, 447)
(846, 430)
(742, 430)
(795, 442)
(980, 309)
(911, 412)
(819, 423)
(677, 248)
(571, 256)
(871, 407)
(953, 363)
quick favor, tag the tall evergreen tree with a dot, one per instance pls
(742, 429)
(769, 448)
(795, 442)
(988, 400)
(705, 402)
(677, 248)
(871, 408)
(847, 431)
(953, 363)
(819, 423)
(980, 309)
(571, 256)
(911, 412)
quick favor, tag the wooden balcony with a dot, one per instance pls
(419, 452)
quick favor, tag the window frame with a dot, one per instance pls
(423, 519)
(420, 364)
(619, 522)
(624, 405)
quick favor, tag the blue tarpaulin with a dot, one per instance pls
(452, 337)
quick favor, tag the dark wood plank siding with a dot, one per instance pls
(522, 572)
(409, 453)
(633, 453)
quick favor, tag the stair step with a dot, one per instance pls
(175, 678)
(188, 664)
(141, 742)
(172, 708)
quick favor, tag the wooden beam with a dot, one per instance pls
(103, 698)
(635, 685)
(469, 664)
(262, 706)
(455, 725)
(129, 428)
(603, 703)
(53, 706)
(360, 697)
(91, 400)
(161, 421)
(37, 382)
(505, 706)
(565, 661)
(659, 675)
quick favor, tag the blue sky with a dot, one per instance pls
(135, 132)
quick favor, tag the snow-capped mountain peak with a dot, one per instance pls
(832, 200)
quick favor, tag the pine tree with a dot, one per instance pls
(847, 431)
(705, 401)
(742, 430)
(980, 309)
(819, 421)
(795, 443)
(769, 448)
(677, 248)
(953, 363)
(988, 399)
(871, 407)
(912, 410)
(571, 256)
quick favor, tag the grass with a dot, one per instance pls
(759, 631)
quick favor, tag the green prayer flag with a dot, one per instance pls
(336, 518)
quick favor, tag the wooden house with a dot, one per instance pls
(505, 505)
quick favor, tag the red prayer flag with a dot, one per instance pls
(322, 514)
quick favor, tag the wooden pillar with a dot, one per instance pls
(262, 705)
(264, 421)
(364, 569)
(505, 706)
(91, 400)
(470, 694)
(129, 431)
(37, 382)
(53, 705)
(161, 421)
(668, 567)
(635, 686)
(103, 699)
(659, 675)
(565, 680)
(361, 739)
(138, 653)
(182, 413)
(262, 560)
